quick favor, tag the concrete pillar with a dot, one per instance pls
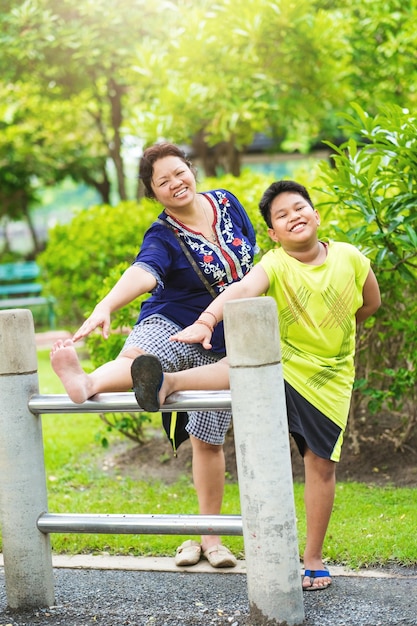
(23, 496)
(263, 462)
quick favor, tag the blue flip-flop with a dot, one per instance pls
(314, 574)
(147, 380)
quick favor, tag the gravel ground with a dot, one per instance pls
(143, 598)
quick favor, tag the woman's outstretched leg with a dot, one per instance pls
(112, 376)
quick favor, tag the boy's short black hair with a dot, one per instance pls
(274, 190)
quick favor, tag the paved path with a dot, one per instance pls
(124, 591)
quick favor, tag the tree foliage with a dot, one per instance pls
(83, 52)
(210, 75)
(382, 37)
(265, 67)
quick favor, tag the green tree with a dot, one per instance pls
(41, 143)
(210, 75)
(383, 40)
(84, 50)
(273, 67)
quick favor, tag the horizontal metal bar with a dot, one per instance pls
(125, 402)
(226, 525)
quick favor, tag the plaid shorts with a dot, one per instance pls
(152, 336)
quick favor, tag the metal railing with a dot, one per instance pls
(125, 402)
(140, 524)
(135, 524)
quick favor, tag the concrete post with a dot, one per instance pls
(23, 496)
(263, 462)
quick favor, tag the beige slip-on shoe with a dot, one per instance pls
(188, 553)
(220, 556)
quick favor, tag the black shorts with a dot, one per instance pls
(310, 427)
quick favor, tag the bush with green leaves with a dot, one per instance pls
(372, 187)
(365, 197)
(81, 263)
(131, 425)
(86, 257)
(79, 255)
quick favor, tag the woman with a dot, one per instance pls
(200, 244)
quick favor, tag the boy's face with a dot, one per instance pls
(294, 221)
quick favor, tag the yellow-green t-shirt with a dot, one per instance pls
(316, 312)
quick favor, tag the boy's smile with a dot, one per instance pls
(292, 215)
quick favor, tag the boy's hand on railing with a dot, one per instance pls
(196, 333)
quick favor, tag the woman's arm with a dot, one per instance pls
(133, 283)
(255, 283)
(371, 298)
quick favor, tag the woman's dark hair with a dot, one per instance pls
(153, 154)
(274, 190)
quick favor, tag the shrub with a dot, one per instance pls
(80, 254)
(367, 199)
(373, 185)
(85, 258)
(81, 263)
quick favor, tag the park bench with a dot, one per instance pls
(20, 289)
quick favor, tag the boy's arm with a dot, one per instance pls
(371, 298)
(255, 283)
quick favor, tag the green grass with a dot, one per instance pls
(370, 526)
(78, 483)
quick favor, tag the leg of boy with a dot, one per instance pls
(205, 377)
(320, 481)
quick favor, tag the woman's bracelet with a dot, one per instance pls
(212, 314)
(209, 326)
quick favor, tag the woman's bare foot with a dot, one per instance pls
(65, 363)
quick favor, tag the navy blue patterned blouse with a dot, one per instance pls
(180, 294)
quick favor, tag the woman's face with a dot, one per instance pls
(173, 183)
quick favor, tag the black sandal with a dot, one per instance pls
(147, 377)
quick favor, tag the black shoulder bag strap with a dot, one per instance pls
(174, 422)
(190, 259)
